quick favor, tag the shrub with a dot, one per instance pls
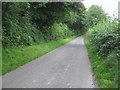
(59, 30)
(104, 37)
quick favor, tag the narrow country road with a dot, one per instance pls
(65, 67)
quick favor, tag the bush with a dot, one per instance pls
(59, 30)
(21, 34)
(104, 37)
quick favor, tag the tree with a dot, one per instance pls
(25, 23)
(94, 15)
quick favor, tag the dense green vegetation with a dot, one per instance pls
(94, 15)
(105, 69)
(28, 26)
(103, 44)
(26, 23)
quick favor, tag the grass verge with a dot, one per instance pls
(12, 58)
(104, 68)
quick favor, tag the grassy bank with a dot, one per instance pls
(105, 69)
(14, 57)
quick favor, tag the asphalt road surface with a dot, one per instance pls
(65, 67)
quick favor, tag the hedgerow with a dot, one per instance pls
(104, 40)
(104, 37)
(27, 23)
